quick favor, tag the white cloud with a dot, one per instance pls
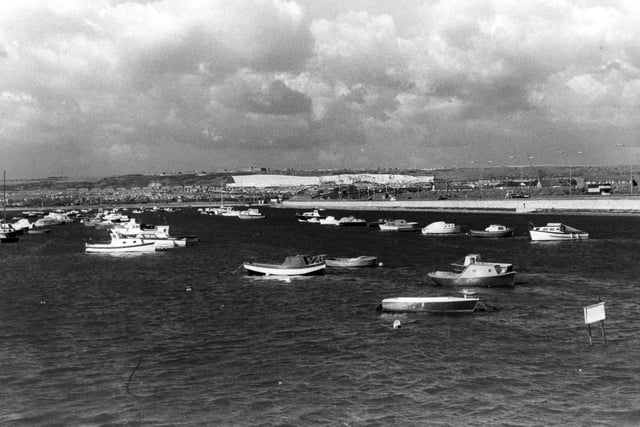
(222, 78)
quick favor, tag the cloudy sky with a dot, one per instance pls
(101, 87)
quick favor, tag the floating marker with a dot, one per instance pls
(397, 324)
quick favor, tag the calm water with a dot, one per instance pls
(119, 340)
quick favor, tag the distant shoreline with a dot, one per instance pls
(572, 206)
(608, 205)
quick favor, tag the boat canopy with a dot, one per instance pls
(296, 261)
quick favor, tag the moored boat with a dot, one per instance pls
(477, 274)
(441, 227)
(295, 265)
(351, 221)
(120, 245)
(493, 230)
(555, 231)
(329, 220)
(7, 233)
(158, 234)
(444, 304)
(360, 261)
(398, 225)
(312, 216)
(251, 213)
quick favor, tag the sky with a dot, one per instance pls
(111, 87)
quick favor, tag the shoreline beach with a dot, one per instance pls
(574, 205)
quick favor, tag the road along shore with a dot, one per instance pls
(568, 205)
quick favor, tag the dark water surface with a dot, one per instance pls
(111, 340)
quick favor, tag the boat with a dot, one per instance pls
(441, 227)
(21, 225)
(398, 225)
(225, 211)
(329, 220)
(444, 304)
(295, 265)
(251, 213)
(360, 261)
(7, 233)
(478, 274)
(158, 234)
(554, 231)
(493, 230)
(313, 216)
(469, 259)
(120, 245)
(351, 221)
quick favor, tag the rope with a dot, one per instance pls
(131, 377)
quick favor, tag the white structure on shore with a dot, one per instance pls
(263, 181)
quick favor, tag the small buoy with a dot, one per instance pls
(380, 264)
(188, 289)
(579, 370)
(279, 382)
(397, 324)
(42, 302)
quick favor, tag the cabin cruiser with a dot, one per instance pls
(441, 227)
(554, 231)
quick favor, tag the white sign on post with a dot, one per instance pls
(594, 313)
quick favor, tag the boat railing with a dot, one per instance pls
(314, 259)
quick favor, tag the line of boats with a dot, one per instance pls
(470, 272)
(132, 236)
(250, 213)
(549, 232)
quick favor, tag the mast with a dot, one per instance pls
(4, 196)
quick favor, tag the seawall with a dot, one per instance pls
(574, 205)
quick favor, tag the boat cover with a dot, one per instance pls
(295, 261)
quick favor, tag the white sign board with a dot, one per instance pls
(594, 313)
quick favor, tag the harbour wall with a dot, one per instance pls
(600, 205)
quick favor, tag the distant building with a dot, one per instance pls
(599, 188)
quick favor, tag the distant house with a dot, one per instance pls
(599, 188)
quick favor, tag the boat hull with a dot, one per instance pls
(445, 278)
(551, 236)
(280, 270)
(430, 304)
(166, 243)
(489, 234)
(363, 261)
(107, 248)
(253, 216)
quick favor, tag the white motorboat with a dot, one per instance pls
(329, 220)
(555, 231)
(351, 221)
(441, 227)
(120, 245)
(444, 304)
(296, 265)
(483, 274)
(398, 225)
(8, 234)
(159, 234)
(493, 230)
(251, 213)
(22, 225)
(225, 211)
(313, 216)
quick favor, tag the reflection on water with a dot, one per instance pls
(121, 339)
